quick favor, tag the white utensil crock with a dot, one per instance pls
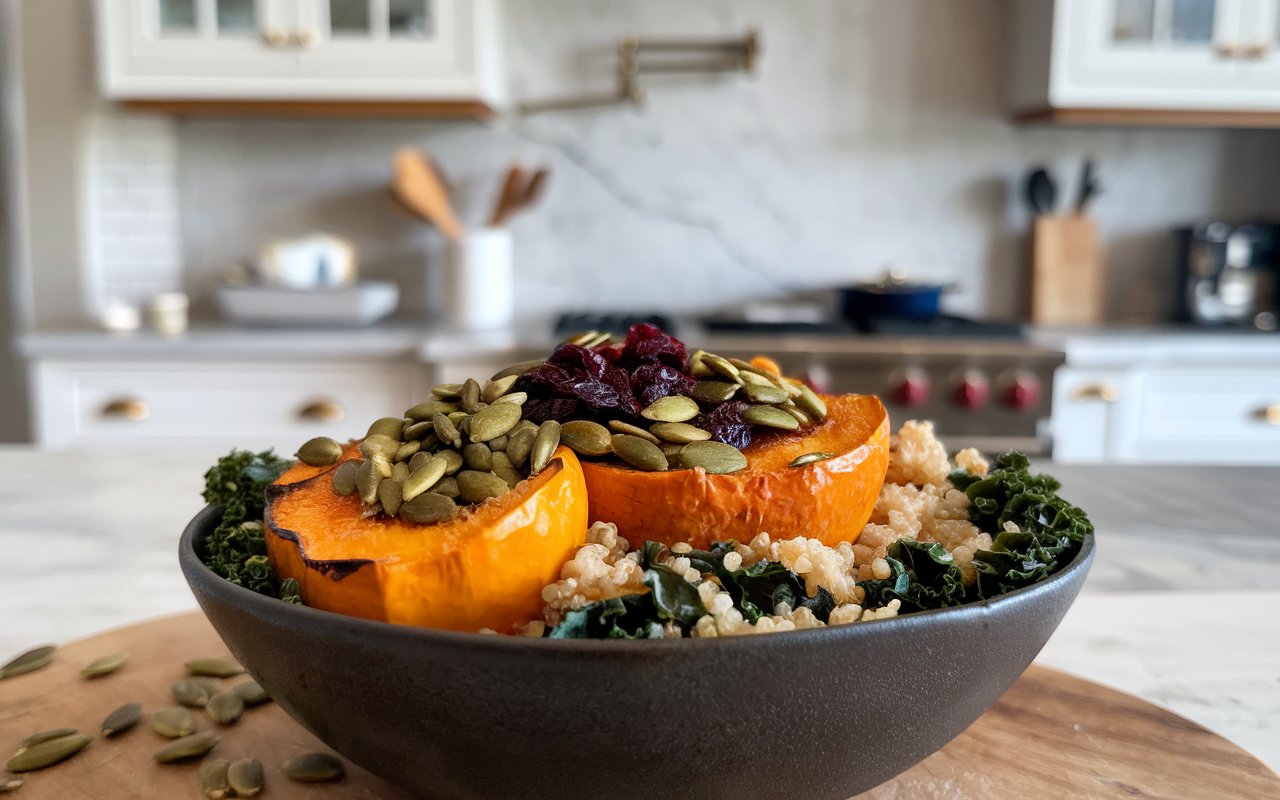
(479, 283)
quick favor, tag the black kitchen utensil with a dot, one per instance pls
(1089, 187)
(1042, 192)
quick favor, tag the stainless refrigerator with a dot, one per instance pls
(14, 425)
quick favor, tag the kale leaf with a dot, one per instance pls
(924, 575)
(237, 548)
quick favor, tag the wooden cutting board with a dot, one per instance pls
(1050, 735)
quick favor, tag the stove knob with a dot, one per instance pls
(1022, 392)
(972, 390)
(911, 389)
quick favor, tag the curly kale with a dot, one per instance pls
(237, 548)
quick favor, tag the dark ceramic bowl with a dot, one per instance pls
(822, 713)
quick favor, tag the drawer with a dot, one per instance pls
(221, 405)
(1205, 415)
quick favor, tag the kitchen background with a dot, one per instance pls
(871, 134)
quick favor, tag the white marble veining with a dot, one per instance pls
(1181, 607)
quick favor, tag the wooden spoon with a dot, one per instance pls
(419, 188)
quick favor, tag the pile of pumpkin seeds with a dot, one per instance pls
(469, 443)
(217, 779)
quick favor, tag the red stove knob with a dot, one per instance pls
(1022, 392)
(972, 391)
(911, 389)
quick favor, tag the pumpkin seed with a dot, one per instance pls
(419, 459)
(519, 444)
(344, 477)
(407, 450)
(313, 768)
(122, 719)
(44, 736)
(500, 443)
(495, 389)
(494, 421)
(191, 694)
(698, 366)
(679, 432)
(447, 391)
(544, 446)
(639, 453)
(800, 416)
(193, 746)
(764, 393)
(478, 456)
(618, 426)
(503, 468)
(417, 430)
(173, 722)
(381, 465)
(470, 401)
(713, 392)
(722, 367)
(214, 668)
(673, 408)
(423, 478)
(319, 452)
(476, 487)
(225, 707)
(379, 445)
(252, 693)
(386, 426)
(213, 779)
(754, 379)
(514, 398)
(29, 661)
(446, 430)
(746, 366)
(716, 458)
(770, 417)
(809, 458)
(47, 753)
(589, 339)
(586, 438)
(390, 496)
(447, 486)
(423, 411)
(10, 783)
(245, 777)
(810, 403)
(367, 480)
(672, 451)
(400, 471)
(106, 665)
(452, 461)
(458, 418)
(516, 369)
(428, 507)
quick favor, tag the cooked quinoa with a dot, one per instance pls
(917, 502)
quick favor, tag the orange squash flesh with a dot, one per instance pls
(484, 569)
(829, 500)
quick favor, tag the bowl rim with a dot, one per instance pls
(202, 580)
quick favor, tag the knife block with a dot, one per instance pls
(1067, 271)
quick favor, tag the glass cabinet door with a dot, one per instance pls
(220, 19)
(1168, 24)
(377, 20)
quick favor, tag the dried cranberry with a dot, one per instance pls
(573, 356)
(725, 424)
(621, 382)
(542, 410)
(647, 343)
(652, 381)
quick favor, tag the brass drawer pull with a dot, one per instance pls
(276, 37)
(1268, 414)
(128, 408)
(322, 411)
(1228, 50)
(1094, 391)
(1255, 52)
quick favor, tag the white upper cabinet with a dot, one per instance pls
(300, 50)
(1146, 55)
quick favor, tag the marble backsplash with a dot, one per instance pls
(874, 133)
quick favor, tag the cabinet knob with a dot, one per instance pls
(127, 408)
(322, 411)
(1256, 51)
(1268, 414)
(306, 38)
(275, 37)
(1094, 391)
(1228, 50)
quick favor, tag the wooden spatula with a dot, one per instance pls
(419, 188)
(520, 190)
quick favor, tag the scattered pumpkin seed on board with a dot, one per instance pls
(213, 779)
(251, 692)
(30, 661)
(173, 722)
(214, 668)
(122, 719)
(193, 746)
(10, 783)
(246, 777)
(101, 667)
(313, 768)
(225, 707)
(48, 752)
(190, 693)
(44, 736)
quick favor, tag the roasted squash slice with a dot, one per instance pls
(829, 500)
(484, 569)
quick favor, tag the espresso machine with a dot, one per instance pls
(1228, 275)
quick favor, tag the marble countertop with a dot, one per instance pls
(1181, 607)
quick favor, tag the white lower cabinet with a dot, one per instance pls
(1167, 414)
(212, 405)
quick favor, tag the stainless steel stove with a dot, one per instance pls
(981, 384)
